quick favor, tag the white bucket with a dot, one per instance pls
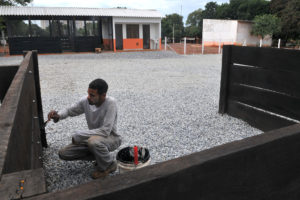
(125, 167)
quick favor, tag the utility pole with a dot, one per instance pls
(181, 10)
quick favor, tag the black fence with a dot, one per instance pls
(261, 86)
(265, 166)
(53, 44)
(21, 130)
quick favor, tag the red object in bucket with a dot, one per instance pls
(136, 156)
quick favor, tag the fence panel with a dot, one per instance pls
(260, 83)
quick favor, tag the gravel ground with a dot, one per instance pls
(167, 103)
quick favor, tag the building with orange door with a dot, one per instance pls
(61, 29)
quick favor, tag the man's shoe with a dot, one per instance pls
(100, 174)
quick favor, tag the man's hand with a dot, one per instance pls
(53, 115)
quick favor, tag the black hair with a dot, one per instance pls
(100, 85)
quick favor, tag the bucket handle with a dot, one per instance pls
(136, 157)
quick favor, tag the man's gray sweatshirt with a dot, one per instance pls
(101, 120)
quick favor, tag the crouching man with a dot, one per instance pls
(101, 138)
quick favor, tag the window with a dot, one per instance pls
(40, 28)
(79, 28)
(89, 28)
(64, 28)
(55, 28)
(132, 30)
(19, 28)
(96, 28)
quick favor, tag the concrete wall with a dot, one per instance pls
(230, 32)
(215, 31)
(155, 32)
(244, 34)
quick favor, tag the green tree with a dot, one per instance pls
(210, 10)
(243, 9)
(289, 14)
(14, 2)
(167, 24)
(265, 25)
(11, 3)
(277, 6)
(251, 8)
(194, 24)
(223, 11)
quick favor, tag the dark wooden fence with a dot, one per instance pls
(53, 45)
(265, 166)
(261, 86)
(21, 131)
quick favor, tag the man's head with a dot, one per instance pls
(97, 92)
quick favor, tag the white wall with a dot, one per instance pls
(155, 35)
(219, 30)
(244, 34)
(155, 28)
(230, 31)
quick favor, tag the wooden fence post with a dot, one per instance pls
(226, 62)
(38, 97)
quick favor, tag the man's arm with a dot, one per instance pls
(74, 110)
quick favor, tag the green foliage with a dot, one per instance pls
(210, 10)
(235, 9)
(243, 9)
(251, 8)
(19, 28)
(266, 25)
(194, 24)
(11, 3)
(14, 2)
(223, 11)
(289, 14)
(167, 24)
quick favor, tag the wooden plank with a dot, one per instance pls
(266, 166)
(32, 181)
(280, 81)
(8, 110)
(257, 118)
(271, 58)
(226, 62)
(278, 103)
(39, 98)
(19, 146)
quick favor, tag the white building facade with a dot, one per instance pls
(236, 32)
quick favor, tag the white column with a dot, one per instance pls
(124, 30)
(260, 42)
(141, 31)
(165, 43)
(184, 50)
(279, 43)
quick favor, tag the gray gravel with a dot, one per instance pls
(167, 103)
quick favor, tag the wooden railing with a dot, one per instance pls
(21, 130)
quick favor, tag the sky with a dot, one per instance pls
(181, 7)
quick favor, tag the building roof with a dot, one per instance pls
(68, 11)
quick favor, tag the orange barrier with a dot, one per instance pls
(135, 43)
